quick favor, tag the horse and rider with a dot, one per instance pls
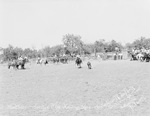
(78, 61)
(56, 59)
(140, 54)
(63, 59)
(19, 62)
(40, 61)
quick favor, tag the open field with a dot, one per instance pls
(110, 88)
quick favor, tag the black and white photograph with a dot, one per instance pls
(74, 57)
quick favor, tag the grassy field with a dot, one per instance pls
(110, 88)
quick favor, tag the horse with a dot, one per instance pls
(146, 57)
(133, 56)
(63, 59)
(21, 63)
(16, 63)
(78, 61)
(140, 57)
(39, 61)
(55, 60)
(12, 64)
(46, 62)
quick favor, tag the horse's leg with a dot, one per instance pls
(65, 60)
(8, 66)
(77, 63)
(22, 66)
(17, 66)
(141, 59)
(80, 65)
(147, 58)
(89, 66)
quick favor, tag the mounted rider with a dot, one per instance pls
(20, 58)
(78, 61)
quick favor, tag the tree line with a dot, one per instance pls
(72, 44)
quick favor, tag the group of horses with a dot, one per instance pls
(53, 60)
(63, 59)
(21, 63)
(40, 61)
(16, 63)
(78, 61)
(140, 56)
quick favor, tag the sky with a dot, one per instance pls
(39, 23)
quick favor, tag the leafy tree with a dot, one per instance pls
(139, 43)
(19, 51)
(88, 48)
(8, 53)
(112, 46)
(46, 51)
(73, 43)
(99, 45)
(57, 50)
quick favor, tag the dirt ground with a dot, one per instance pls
(110, 88)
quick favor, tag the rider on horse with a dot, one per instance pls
(78, 61)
